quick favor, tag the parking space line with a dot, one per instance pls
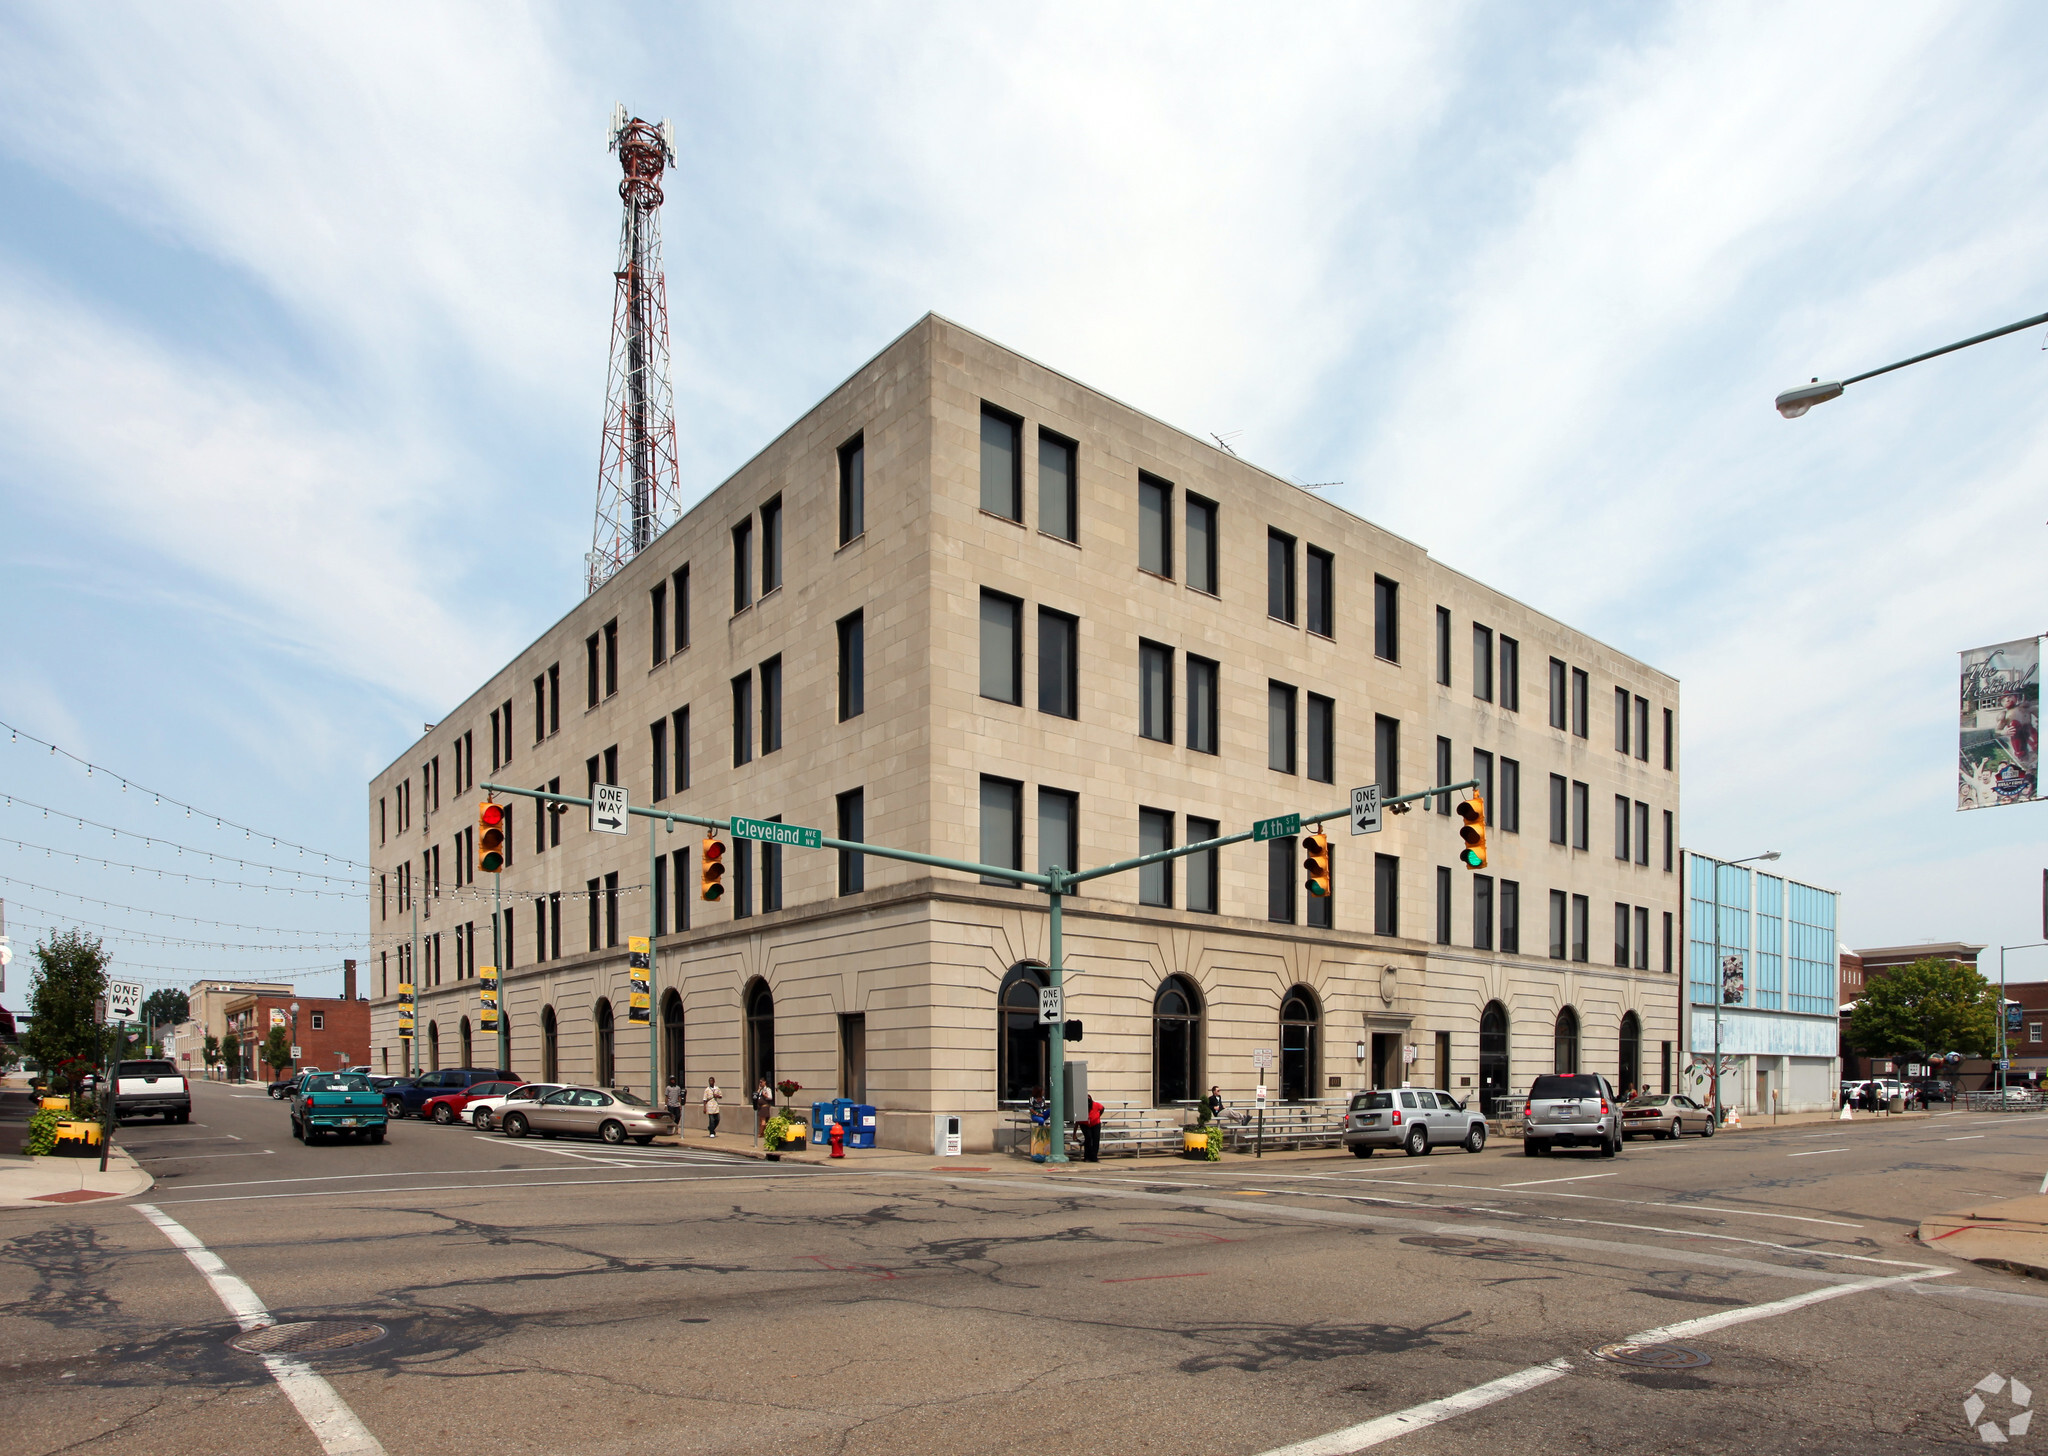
(1816, 1152)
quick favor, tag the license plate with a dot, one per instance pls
(348, 1122)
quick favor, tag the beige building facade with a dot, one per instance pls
(969, 607)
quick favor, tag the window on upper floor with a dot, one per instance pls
(852, 666)
(1560, 701)
(1059, 830)
(1155, 525)
(1002, 826)
(743, 719)
(1203, 677)
(1280, 733)
(1002, 662)
(1582, 712)
(771, 546)
(743, 565)
(1507, 810)
(1202, 876)
(1155, 691)
(1386, 744)
(1002, 463)
(1510, 675)
(1279, 576)
(593, 667)
(1058, 494)
(657, 623)
(1322, 587)
(853, 488)
(679, 592)
(1201, 526)
(1059, 644)
(611, 657)
(771, 704)
(1621, 720)
(1386, 618)
(1643, 729)
(1482, 663)
(1443, 646)
(1155, 833)
(1322, 739)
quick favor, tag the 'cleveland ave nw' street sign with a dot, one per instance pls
(768, 831)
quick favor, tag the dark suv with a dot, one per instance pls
(406, 1096)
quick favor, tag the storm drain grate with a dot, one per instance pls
(1654, 1357)
(307, 1337)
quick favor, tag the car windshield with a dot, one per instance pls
(1649, 1102)
(1574, 1084)
(1372, 1101)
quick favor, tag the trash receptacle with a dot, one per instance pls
(1897, 1104)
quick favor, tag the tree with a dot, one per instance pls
(277, 1049)
(165, 1008)
(231, 1053)
(1932, 1005)
(70, 976)
(210, 1051)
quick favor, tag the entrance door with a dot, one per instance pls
(1386, 1059)
(853, 1057)
(1763, 1090)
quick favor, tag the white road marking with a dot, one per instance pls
(1382, 1429)
(1554, 1193)
(220, 1137)
(325, 1413)
(552, 1183)
(1816, 1152)
(1968, 1138)
(200, 1157)
(1539, 1182)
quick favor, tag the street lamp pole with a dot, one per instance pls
(1795, 402)
(1720, 981)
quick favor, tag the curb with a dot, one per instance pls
(53, 1182)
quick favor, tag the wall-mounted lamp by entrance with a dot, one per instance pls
(1360, 1051)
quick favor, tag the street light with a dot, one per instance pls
(1720, 977)
(295, 1036)
(1795, 402)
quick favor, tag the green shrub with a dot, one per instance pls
(776, 1132)
(1214, 1150)
(42, 1132)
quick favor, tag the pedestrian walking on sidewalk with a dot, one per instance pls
(1091, 1133)
(764, 1108)
(673, 1097)
(712, 1097)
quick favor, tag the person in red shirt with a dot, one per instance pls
(1091, 1133)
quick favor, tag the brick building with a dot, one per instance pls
(330, 1031)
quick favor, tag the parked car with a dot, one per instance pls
(589, 1112)
(408, 1095)
(484, 1110)
(340, 1104)
(282, 1087)
(156, 1088)
(1413, 1119)
(449, 1108)
(1571, 1109)
(1665, 1117)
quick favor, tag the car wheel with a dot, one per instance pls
(1708, 1130)
(613, 1132)
(296, 1131)
(481, 1120)
(515, 1126)
(1531, 1148)
(444, 1114)
(1610, 1148)
(1361, 1152)
(376, 1134)
(1677, 1129)
(1475, 1140)
(1417, 1145)
(394, 1107)
(645, 1139)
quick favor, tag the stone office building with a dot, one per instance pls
(970, 607)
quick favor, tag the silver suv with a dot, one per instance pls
(1569, 1110)
(1413, 1119)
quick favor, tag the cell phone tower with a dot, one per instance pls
(638, 496)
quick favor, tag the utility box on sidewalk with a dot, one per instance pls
(1074, 1083)
(946, 1134)
(860, 1133)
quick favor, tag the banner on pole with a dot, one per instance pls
(1733, 991)
(405, 1011)
(487, 992)
(1999, 761)
(636, 960)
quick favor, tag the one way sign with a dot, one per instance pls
(608, 808)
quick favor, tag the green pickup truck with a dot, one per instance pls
(341, 1103)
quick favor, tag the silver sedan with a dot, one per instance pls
(1665, 1117)
(612, 1115)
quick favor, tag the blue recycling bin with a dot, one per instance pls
(861, 1130)
(821, 1115)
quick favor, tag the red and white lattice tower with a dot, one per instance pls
(638, 496)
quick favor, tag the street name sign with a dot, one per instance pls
(608, 808)
(1280, 828)
(1052, 1005)
(1365, 810)
(768, 831)
(124, 999)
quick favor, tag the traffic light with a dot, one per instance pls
(490, 837)
(1316, 860)
(1473, 832)
(712, 869)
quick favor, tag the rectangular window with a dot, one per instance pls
(1386, 894)
(679, 590)
(1201, 525)
(1621, 826)
(611, 657)
(1510, 675)
(743, 565)
(1386, 755)
(1002, 464)
(1510, 917)
(1507, 811)
(742, 879)
(1482, 770)
(1668, 837)
(1155, 692)
(852, 666)
(1202, 867)
(657, 755)
(853, 488)
(554, 698)
(1642, 938)
(1582, 713)
(771, 704)
(681, 862)
(590, 664)
(1582, 912)
(1668, 737)
(1443, 773)
(1621, 927)
(554, 819)
(1642, 833)
(1557, 924)
(771, 874)
(1443, 646)
(661, 895)
(1155, 525)
(1155, 833)
(1283, 868)
(1482, 912)
(1443, 905)
(1386, 619)
(1280, 727)
(743, 719)
(1002, 663)
(1558, 699)
(771, 546)
(1666, 962)
(611, 765)
(555, 924)
(1621, 720)
(1202, 691)
(592, 904)
(1002, 826)
(1059, 830)
(853, 875)
(1279, 576)
(1643, 729)
(1322, 587)
(679, 726)
(1059, 664)
(1482, 663)
(1057, 497)
(1582, 816)
(657, 623)
(1322, 739)
(611, 909)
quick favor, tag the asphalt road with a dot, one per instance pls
(569, 1298)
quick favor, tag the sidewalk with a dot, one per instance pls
(43, 1182)
(2011, 1234)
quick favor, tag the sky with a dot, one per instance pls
(304, 314)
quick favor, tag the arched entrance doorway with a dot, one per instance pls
(1300, 1044)
(1021, 1043)
(760, 1005)
(467, 1042)
(1631, 1068)
(433, 1046)
(601, 1063)
(672, 1038)
(1176, 1042)
(1564, 1042)
(1493, 1056)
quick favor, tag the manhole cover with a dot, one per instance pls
(1654, 1357)
(308, 1337)
(1437, 1241)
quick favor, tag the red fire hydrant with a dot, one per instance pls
(838, 1141)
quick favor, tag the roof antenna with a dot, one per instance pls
(1223, 441)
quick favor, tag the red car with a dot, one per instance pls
(447, 1108)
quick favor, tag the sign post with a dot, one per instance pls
(1262, 1058)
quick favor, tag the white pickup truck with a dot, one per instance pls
(152, 1087)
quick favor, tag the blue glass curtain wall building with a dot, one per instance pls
(1762, 917)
